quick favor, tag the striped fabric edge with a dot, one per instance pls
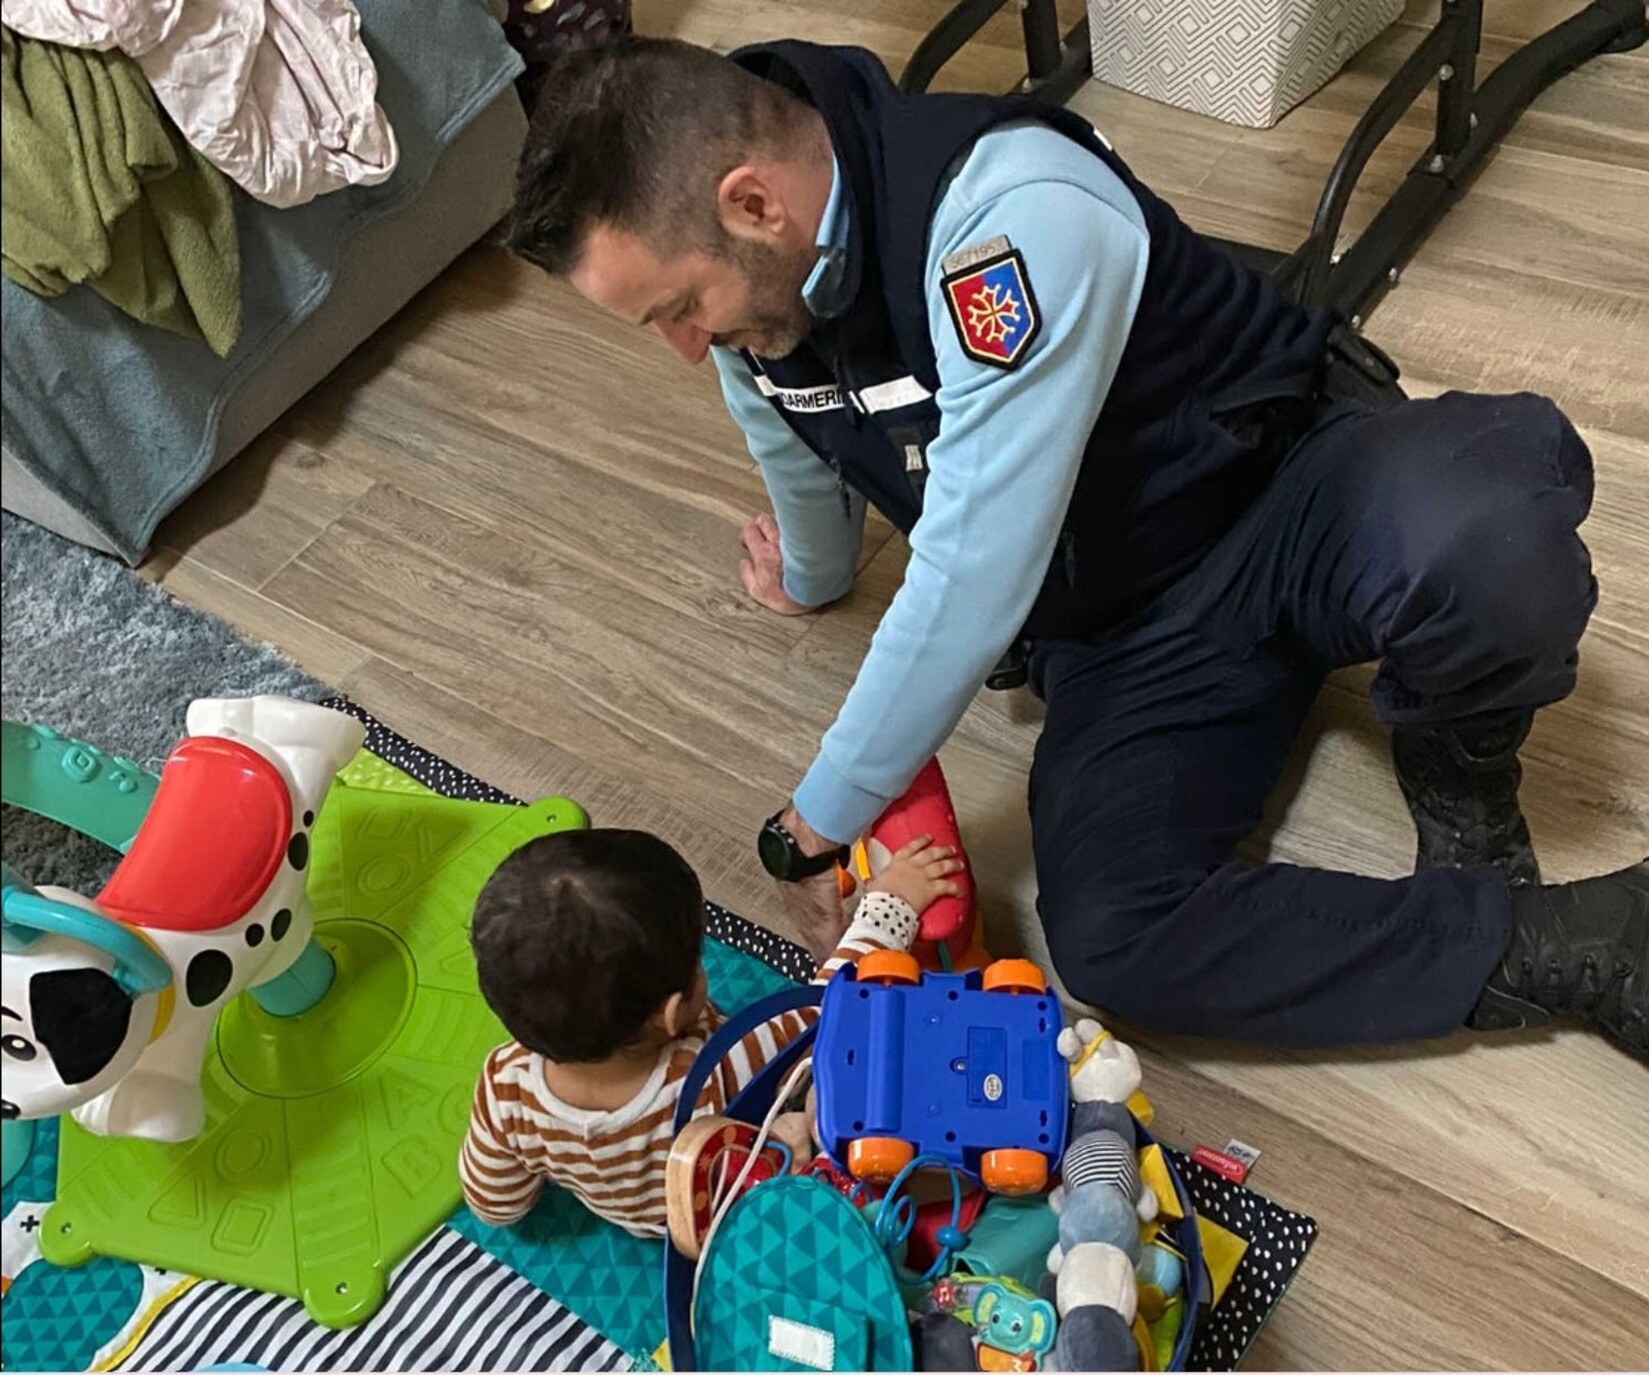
(451, 1307)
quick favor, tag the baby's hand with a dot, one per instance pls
(917, 874)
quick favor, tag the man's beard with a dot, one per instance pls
(779, 318)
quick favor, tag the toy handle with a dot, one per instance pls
(751, 1104)
(735, 1029)
(138, 968)
(925, 809)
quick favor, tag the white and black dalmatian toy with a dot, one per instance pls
(108, 1002)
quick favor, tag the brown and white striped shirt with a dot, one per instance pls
(521, 1134)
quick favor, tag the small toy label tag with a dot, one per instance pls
(1220, 1163)
(1242, 1152)
(800, 1343)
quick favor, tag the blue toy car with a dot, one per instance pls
(964, 1066)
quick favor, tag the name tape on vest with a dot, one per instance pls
(883, 396)
(826, 398)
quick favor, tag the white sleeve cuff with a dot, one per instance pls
(883, 920)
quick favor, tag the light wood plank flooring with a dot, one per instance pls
(510, 527)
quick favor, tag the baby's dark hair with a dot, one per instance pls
(579, 936)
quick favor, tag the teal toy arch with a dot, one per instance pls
(104, 796)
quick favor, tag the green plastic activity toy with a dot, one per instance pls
(332, 1134)
(338, 1092)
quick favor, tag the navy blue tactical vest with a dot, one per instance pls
(1177, 452)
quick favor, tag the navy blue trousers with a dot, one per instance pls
(1437, 538)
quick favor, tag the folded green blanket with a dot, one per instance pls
(102, 190)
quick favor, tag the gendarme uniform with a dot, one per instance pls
(1102, 433)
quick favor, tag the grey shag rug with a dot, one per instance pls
(97, 653)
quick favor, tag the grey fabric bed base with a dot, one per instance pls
(380, 270)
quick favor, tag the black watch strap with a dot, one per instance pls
(783, 857)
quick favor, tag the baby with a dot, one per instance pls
(588, 945)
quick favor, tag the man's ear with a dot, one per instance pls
(749, 206)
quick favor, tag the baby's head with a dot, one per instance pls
(587, 941)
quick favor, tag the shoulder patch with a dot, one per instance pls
(992, 305)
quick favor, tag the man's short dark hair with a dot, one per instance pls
(580, 936)
(636, 134)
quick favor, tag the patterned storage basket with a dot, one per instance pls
(1243, 61)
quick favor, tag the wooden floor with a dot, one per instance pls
(510, 528)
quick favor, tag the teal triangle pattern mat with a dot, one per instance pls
(56, 1319)
(36, 1182)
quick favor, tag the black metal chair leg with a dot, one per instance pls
(1054, 68)
(1471, 120)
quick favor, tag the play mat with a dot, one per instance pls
(559, 1291)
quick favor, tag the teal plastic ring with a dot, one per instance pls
(138, 969)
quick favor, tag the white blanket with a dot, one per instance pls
(278, 94)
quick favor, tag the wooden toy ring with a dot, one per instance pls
(690, 1174)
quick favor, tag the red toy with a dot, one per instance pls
(706, 1158)
(948, 937)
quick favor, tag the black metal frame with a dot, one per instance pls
(1054, 68)
(1471, 120)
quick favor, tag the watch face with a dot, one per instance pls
(774, 853)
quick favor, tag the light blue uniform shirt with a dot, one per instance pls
(1000, 473)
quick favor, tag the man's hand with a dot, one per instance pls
(763, 568)
(813, 905)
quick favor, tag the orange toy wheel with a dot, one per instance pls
(1014, 1171)
(876, 1159)
(889, 966)
(1014, 976)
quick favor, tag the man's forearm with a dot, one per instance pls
(812, 842)
(1000, 476)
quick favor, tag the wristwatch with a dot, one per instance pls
(784, 858)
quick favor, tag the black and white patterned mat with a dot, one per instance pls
(1277, 1244)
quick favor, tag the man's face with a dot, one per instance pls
(748, 295)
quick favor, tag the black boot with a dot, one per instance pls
(1577, 950)
(1461, 781)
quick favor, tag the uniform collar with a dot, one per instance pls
(824, 291)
